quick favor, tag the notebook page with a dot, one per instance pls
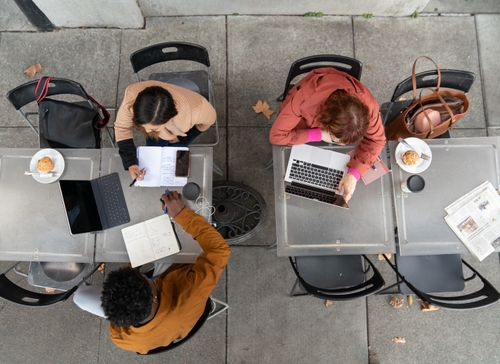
(138, 245)
(151, 159)
(162, 237)
(168, 168)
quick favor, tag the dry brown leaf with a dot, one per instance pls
(371, 356)
(399, 340)
(381, 256)
(426, 307)
(101, 268)
(50, 290)
(263, 107)
(397, 303)
(33, 70)
(328, 303)
(409, 298)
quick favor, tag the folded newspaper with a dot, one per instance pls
(475, 219)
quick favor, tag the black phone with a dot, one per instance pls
(182, 163)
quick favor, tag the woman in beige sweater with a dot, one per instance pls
(165, 113)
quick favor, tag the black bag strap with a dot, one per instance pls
(42, 90)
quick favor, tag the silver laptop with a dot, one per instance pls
(314, 173)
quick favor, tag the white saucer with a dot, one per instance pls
(419, 146)
(58, 169)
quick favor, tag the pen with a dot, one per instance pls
(164, 211)
(135, 179)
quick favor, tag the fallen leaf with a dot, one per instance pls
(399, 340)
(427, 307)
(328, 303)
(101, 268)
(409, 298)
(263, 107)
(371, 356)
(50, 290)
(33, 70)
(381, 256)
(397, 303)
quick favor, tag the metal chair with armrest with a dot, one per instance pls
(11, 292)
(24, 94)
(452, 79)
(335, 277)
(439, 274)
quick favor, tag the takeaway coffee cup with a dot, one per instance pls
(191, 191)
(413, 184)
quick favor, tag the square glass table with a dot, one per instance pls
(144, 203)
(34, 224)
(305, 227)
(458, 165)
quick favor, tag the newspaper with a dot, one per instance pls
(475, 219)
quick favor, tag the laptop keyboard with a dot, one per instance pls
(315, 175)
(113, 200)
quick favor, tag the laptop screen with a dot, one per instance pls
(80, 206)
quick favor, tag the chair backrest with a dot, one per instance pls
(368, 287)
(168, 51)
(24, 94)
(11, 292)
(483, 297)
(454, 79)
(194, 330)
(348, 65)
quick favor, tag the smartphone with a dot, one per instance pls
(182, 163)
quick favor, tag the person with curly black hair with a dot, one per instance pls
(146, 314)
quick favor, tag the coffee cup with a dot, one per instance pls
(191, 191)
(413, 184)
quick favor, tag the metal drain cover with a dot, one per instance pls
(240, 212)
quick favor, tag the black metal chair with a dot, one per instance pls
(24, 94)
(439, 274)
(209, 312)
(348, 65)
(452, 79)
(199, 81)
(11, 292)
(335, 277)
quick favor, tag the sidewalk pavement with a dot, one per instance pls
(250, 58)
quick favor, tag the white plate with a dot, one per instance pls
(58, 169)
(421, 147)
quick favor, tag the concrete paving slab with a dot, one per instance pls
(208, 32)
(248, 153)
(441, 336)
(87, 56)
(12, 19)
(462, 6)
(389, 46)
(468, 133)
(261, 51)
(488, 32)
(18, 137)
(268, 326)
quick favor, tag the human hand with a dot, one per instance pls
(136, 172)
(348, 182)
(326, 136)
(173, 202)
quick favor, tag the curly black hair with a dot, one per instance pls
(126, 297)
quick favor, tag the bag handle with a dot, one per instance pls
(445, 104)
(414, 77)
(42, 90)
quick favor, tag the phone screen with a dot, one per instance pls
(182, 163)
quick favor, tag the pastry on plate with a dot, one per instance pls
(45, 165)
(411, 158)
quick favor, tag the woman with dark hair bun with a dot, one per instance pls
(331, 106)
(167, 114)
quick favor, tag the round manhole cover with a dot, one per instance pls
(240, 212)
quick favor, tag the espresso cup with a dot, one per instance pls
(191, 191)
(413, 184)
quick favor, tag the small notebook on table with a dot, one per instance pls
(159, 163)
(151, 240)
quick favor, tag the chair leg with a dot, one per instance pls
(269, 164)
(297, 290)
(217, 169)
(219, 310)
(110, 137)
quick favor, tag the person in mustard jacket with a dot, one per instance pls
(167, 114)
(331, 106)
(146, 314)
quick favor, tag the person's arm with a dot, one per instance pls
(285, 130)
(123, 130)
(212, 262)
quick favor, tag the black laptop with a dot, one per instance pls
(94, 205)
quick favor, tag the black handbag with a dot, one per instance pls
(74, 125)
